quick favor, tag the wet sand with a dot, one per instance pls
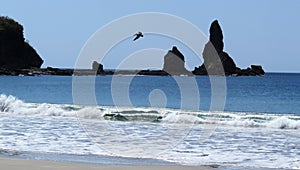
(18, 164)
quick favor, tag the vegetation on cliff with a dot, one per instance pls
(15, 52)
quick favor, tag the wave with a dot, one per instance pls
(12, 106)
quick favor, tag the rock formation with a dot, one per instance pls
(15, 53)
(18, 58)
(253, 70)
(216, 36)
(97, 67)
(218, 62)
(174, 63)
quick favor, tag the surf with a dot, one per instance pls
(12, 106)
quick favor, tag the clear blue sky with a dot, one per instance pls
(265, 32)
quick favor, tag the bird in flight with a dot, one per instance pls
(138, 35)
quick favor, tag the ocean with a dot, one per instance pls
(248, 122)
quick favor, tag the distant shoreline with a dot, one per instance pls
(89, 72)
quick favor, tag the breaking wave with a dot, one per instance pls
(12, 106)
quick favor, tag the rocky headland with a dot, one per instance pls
(15, 52)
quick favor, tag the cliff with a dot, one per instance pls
(15, 53)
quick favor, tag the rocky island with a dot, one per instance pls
(17, 58)
(174, 63)
(215, 48)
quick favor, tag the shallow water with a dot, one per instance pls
(258, 129)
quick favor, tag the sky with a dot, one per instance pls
(265, 32)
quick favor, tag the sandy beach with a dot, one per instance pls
(16, 164)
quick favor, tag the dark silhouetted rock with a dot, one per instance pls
(228, 63)
(57, 71)
(174, 63)
(97, 67)
(15, 53)
(258, 69)
(254, 70)
(218, 62)
(216, 36)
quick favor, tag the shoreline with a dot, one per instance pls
(35, 164)
(91, 72)
(16, 164)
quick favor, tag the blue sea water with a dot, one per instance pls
(272, 93)
(258, 126)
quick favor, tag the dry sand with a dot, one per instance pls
(22, 164)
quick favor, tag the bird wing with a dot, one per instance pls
(137, 37)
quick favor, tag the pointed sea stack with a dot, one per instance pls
(97, 67)
(174, 63)
(214, 56)
(217, 61)
(216, 36)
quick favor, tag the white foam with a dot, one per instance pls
(10, 103)
(181, 118)
(91, 113)
(284, 123)
(230, 144)
(244, 123)
(13, 106)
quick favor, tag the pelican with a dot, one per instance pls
(138, 35)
